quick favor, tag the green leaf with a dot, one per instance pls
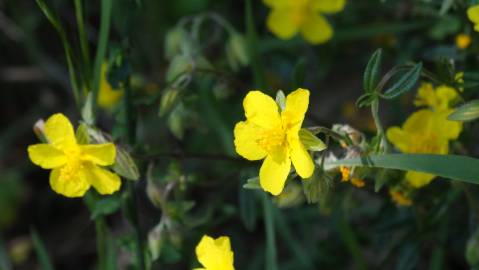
(87, 110)
(42, 254)
(310, 141)
(467, 112)
(453, 167)
(405, 83)
(125, 165)
(105, 206)
(366, 100)
(372, 72)
(82, 134)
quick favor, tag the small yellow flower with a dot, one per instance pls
(215, 254)
(74, 167)
(438, 99)
(463, 41)
(345, 173)
(473, 15)
(427, 131)
(357, 182)
(288, 17)
(273, 136)
(107, 96)
(399, 198)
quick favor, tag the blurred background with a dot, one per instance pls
(184, 135)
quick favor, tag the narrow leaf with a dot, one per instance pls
(42, 254)
(453, 167)
(310, 141)
(252, 183)
(372, 72)
(405, 83)
(467, 112)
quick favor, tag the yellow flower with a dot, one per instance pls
(399, 198)
(273, 136)
(438, 99)
(74, 167)
(215, 254)
(427, 132)
(107, 96)
(288, 17)
(463, 41)
(473, 15)
(345, 173)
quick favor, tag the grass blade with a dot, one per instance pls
(106, 7)
(42, 254)
(453, 167)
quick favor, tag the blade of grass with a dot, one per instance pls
(296, 248)
(453, 167)
(351, 242)
(42, 254)
(106, 7)
(85, 50)
(54, 20)
(271, 256)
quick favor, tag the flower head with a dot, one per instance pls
(74, 167)
(473, 15)
(288, 17)
(215, 254)
(273, 136)
(463, 41)
(400, 198)
(107, 96)
(427, 131)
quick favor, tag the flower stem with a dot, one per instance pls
(271, 256)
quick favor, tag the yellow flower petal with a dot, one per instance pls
(399, 138)
(303, 164)
(419, 179)
(473, 14)
(46, 156)
(59, 132)
(215, 254)
(425, 95)
(71, 186)
(445, 95)
(274, 172)
(100, 154)
(420, 121)
(316, 29)
(296, 107)
(329, 6)
(246, 135)
(261, 110)
(104, 181)
(282, 23)
(448, 130)
(107, 96)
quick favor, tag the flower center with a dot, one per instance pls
(426, 144)
(272, 139)
(301, 11)
(73, 164)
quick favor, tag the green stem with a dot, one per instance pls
(383, 145)
(83, 41)
(132, 205)
(271, 257)
(100, 228)
(106, 7)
